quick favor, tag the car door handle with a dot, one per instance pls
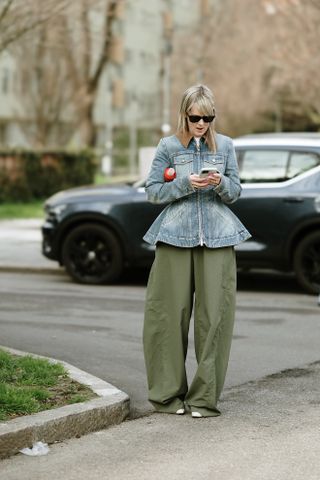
(293, 199)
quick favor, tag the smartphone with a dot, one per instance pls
(206, 170)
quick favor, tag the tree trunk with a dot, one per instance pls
(86, 124)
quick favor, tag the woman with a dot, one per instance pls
(195, 261)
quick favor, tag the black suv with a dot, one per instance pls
(96, 231)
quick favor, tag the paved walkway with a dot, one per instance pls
(269, 430)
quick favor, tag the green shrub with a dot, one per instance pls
(35, 175)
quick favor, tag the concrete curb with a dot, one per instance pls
(31, 269)
(111, 408)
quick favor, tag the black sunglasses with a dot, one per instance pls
(197, 118)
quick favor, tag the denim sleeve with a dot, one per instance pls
(229, 188)
(159, 191)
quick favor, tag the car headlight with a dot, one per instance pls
(317, 203)
(54, 212)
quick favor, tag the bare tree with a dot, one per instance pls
(44, 89)
(298, 39)
(60, 67)
(18, 17)
(232, 63)
(262, 62)
(243, 67)
(88, 49)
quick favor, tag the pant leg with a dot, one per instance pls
(165, 335)
(215, 287)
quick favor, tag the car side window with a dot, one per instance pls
(263, 166)
(301, 162)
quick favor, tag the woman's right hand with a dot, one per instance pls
(197, 181)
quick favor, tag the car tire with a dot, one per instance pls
(306, 262)
(91, 254)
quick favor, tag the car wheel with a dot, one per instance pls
(306, 262)
(91, 254)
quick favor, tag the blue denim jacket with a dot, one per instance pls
(195, 217)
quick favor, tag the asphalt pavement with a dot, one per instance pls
(269, 428)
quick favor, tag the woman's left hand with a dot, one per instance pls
(214, 179)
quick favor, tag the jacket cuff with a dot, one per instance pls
(186, 185)
(222, 185)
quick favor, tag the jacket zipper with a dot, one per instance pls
(199, 204)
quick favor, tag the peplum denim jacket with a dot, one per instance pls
(195, 217)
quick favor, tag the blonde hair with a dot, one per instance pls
(202, 96)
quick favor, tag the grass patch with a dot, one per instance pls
(29, 385)
(101, 179)
(10, 211)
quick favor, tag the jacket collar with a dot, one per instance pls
(186, 137)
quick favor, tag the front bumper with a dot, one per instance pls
(49, 248)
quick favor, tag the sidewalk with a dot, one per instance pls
(20, 246)
(269, 429)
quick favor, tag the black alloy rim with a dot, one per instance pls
(90, 256)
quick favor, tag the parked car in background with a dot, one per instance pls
(96, 231)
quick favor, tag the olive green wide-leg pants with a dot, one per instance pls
(179, 278)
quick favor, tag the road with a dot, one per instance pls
(98, 328)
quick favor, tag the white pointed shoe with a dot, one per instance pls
(196, 415)
(180, 411)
